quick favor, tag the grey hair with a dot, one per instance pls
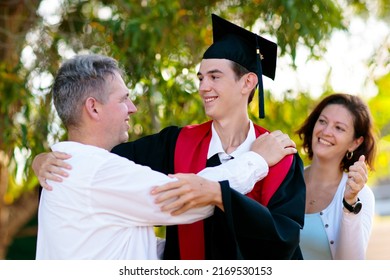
(77, 79)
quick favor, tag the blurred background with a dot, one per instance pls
(323, 47)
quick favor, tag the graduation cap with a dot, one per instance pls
(248, 49)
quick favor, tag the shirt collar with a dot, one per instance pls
(216, 144)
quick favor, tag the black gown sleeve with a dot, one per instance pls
(156, 150)
(258, 232)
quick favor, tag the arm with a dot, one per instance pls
(123, 188)
(155, 151)
(242, 173)
(359, 226)
(355, 230)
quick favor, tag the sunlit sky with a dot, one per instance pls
(347, 56)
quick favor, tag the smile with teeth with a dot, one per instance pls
(322, 141)
(210, 99)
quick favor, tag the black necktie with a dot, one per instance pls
(213, 161)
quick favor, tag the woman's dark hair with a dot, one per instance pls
(362, 122)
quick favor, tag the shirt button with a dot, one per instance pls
(326, 225)
(331, 242)
(321, 213)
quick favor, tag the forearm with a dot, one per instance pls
(355, 230)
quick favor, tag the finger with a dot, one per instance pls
(167, 187)
(277, 133)
(60, 163)
(181, 205)
(359, 169)
(290, 151)
(181, 210)
(44, 184)
(174, 205)
(51, 176)
(290, 143)
(61, 155)
(56, 171)
(165, 196)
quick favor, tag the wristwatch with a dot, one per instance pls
(354, 208)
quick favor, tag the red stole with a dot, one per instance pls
(191, 157)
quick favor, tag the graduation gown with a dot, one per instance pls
(247, 229)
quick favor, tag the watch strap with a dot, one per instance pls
(354, 208)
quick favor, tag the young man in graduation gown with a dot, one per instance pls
(264, 224)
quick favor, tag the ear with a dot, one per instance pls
(250, 82)
(92, 107)
(356, 143)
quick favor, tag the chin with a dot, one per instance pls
(124, 138)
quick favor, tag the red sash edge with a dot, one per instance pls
(192, 142)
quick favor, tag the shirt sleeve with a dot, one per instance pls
(242, 172)
(355, 230)
(122, 194)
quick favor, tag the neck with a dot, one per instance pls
(84, 137)
(231, 133)
(319, 173)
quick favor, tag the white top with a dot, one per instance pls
(104, 209)
(348, 234)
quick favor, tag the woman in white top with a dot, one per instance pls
(339, 139)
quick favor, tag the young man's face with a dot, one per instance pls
(219, 88)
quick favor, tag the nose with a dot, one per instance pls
(131, 109)
(327, 130)
(204, 86)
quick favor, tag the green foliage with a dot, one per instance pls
(159, 44)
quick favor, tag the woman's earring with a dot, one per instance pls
(349, 155)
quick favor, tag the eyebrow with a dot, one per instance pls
(211, 72)
(338, 123)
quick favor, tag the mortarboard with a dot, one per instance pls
(248, 49)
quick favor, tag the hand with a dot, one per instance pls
(188, 192)
(50, 166)
(274, 146)
(357, 178)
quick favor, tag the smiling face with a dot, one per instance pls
(220, 89)
(333, 133)
(116, 110)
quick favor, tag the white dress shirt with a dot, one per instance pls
(104, 209)
(217, 148)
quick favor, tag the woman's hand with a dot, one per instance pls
(357, 179)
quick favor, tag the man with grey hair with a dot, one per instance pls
(105, 208)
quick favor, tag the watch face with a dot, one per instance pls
(357, 207)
